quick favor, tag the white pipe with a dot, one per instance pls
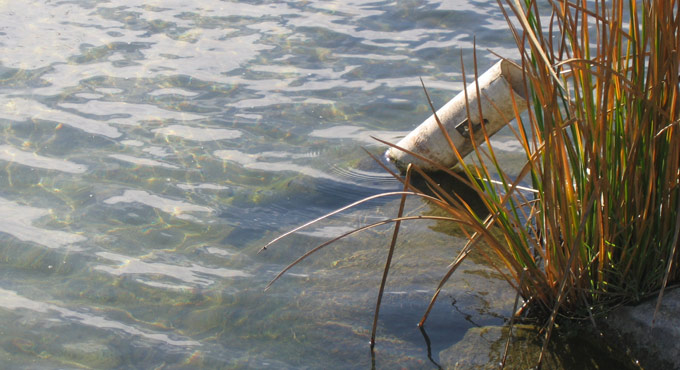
(495, 86)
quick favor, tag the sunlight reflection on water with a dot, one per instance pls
(17, 220)
(11, 300)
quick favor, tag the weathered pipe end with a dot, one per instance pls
(498, 86)
(391, 158)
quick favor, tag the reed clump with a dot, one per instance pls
(602, 146)
(603, 152)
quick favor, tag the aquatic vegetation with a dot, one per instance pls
(602, 147)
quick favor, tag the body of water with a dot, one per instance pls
(149, 149)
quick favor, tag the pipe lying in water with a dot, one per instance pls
(496, 86)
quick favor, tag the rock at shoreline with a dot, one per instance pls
(656, 346)
(483, 348)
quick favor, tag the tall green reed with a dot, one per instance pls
(603, 151)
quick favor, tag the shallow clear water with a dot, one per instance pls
(148, 149)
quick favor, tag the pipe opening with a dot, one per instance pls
(513, 74)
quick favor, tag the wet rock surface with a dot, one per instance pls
(569, 348)
(655, 344)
